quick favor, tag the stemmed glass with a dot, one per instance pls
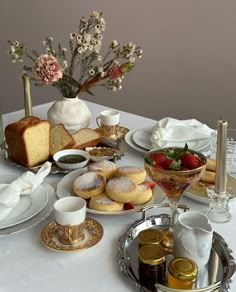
(173, 183)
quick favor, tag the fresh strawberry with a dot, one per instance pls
(158, 166)
(159, 158)
(167, 163)
(172, 164)
(150, 184)
(190, 161)
(182, 168)
(128, 206)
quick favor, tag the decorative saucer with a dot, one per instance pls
(93, 234)
(121, 131)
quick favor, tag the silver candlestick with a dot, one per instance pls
(27, 95)
(219, 194)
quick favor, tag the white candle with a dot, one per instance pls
(221, 150)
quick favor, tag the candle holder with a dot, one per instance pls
(219, 208)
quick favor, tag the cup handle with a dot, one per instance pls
(98, 120)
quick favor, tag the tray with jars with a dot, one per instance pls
(215, 276)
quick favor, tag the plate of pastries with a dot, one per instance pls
(31, 141)
(198, 191)
(110, 189)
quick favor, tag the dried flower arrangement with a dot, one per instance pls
(81, 67)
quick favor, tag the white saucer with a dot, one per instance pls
(64, 189)
(142, 138)
(28, 206)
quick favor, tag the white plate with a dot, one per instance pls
(46, 211)
(28, 206)
(64, 189)
(231, 183)
(130, 142)
(141, 137)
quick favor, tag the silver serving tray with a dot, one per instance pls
(216, 276)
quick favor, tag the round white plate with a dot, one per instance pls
(141, 137)
(46, 211)
(64, 189)
(130, 142)
(28, 206)
(231, 183)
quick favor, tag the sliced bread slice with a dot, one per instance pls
(86, 137)
(60, 139)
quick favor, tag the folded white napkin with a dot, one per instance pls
(23, 185)
(172, 130)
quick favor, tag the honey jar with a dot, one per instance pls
(152, 265)
(150, 236)
(182, 273)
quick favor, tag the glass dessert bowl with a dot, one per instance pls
(174, 169)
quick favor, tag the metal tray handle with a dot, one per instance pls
(215, 287)
(162, 205)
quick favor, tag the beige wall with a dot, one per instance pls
(188, 68)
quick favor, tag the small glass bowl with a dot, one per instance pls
(101, 153)
(71, 153)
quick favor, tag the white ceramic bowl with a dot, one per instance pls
(73, 153)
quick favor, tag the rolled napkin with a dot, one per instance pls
(23, 185)
(169, 130)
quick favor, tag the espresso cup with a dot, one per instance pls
(108, 121)
(70, 213)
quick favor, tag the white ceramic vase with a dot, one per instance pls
(72, 112)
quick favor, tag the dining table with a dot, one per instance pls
(26, 264)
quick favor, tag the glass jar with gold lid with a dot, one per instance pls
(152, 265)
(182, 273)
(150, 236)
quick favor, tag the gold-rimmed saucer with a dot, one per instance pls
(121, 131)
(93, 234)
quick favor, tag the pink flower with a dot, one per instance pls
(47, 69)
(115, 72)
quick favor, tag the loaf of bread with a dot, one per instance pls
(86, 137)
(28, 141)
(60, 139)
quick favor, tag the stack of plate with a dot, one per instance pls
(31, 209)
(139, 139)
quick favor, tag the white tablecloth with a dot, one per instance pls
(27, 265)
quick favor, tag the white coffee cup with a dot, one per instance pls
(70, 214)
(108, 118)
(108, 121)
